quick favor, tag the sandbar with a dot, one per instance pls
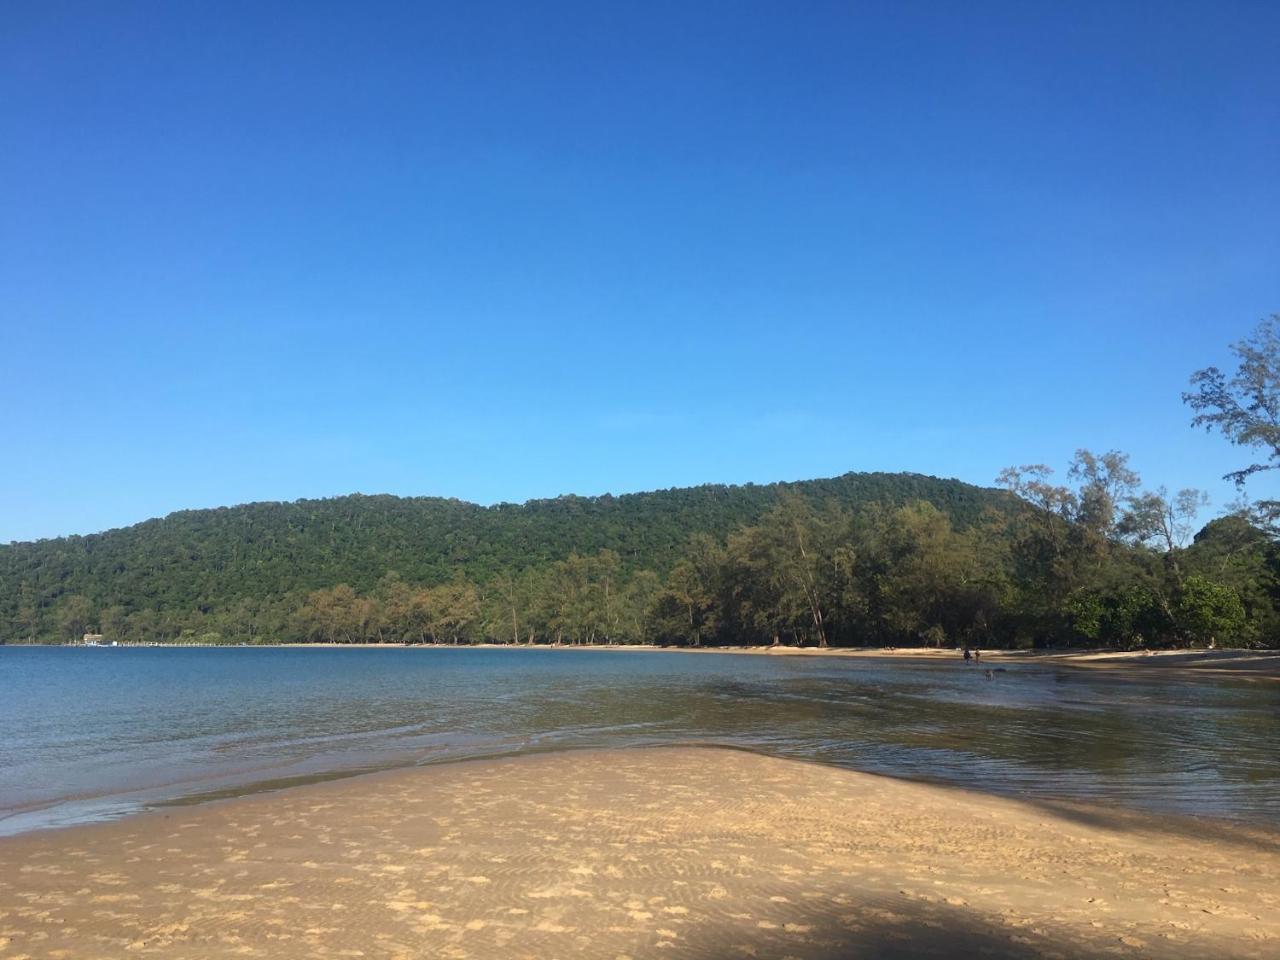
(667, 852)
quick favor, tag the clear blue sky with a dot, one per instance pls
(497, 251)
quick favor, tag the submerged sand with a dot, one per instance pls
(672, 852)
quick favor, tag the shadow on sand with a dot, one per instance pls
(903, 929)
(1132, 822)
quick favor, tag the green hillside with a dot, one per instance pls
(870, 558)
(208, 561)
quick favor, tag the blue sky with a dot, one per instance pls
(500, 251)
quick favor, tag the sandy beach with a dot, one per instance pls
(673, 852)
(1252, 664)
(1247, 664)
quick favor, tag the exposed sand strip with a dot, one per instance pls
(1246, 664)
(679, 852)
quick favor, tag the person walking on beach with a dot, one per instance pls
(977, 654)
(966, 654)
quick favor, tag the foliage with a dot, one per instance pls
(1208, 610)
(1245, 407)
(862, 559)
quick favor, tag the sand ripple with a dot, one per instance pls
(678, 852)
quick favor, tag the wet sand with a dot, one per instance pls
(670, 852)
(1247, 664)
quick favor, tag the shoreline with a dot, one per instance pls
(1244, 663)
(129, 796)
(668, 851)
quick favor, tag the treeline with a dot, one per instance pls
(1100, 565)
(245, 573)
(1098, 562)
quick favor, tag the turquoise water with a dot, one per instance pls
(99, 733)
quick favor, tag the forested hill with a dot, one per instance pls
(260, 549)
(870, 558)
(198, 559)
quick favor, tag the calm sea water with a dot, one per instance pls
(99, 733)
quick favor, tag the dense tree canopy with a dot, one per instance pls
(861, 559)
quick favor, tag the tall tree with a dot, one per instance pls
(779, 571)
(508, 604)
(925, 577)
(688, 609)
(457, 606)
(1105, 484)
(1155, 517)
(1045, 541)
(395, 609)
(1245, 405)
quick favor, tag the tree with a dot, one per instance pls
(1245, 407)
(797, 534)
(457, 605)
(1046, 546)
(779, 572)
(423, 615)
(1230, 550)
(333, 615)
(75, 615)
(395, 609)
(1209, 612)
(1065, 544)
(145, 625)
(763, 600)
(687, 609)
(637, 603)
(505, 589)
(923, 578)
(587, 600)
(1030, 482)
(1123, 616)
(1156, 518)
(28, 620)
(1105, 482)
(115, 623)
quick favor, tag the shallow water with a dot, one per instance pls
(98, 733)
